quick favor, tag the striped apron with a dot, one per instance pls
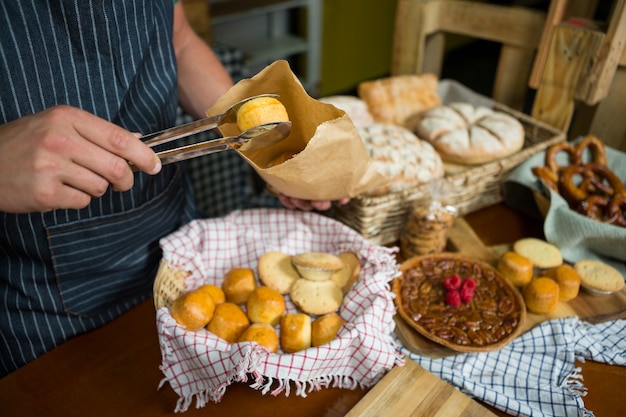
(66, 272)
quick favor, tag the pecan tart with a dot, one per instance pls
(460, 303)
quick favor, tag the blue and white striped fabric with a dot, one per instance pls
(60, 270)
(536, 374)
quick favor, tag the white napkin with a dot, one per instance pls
(535, 375)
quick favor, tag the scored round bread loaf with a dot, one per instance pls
(401, 157)
(355, 108)
(229, 322)
(541, 295)
(316, 297)
(466, 134)
(262, 333)
(265, 305)
(397, 98)
(325, 328)
(598, 276)
(277, 272)
(295, 332)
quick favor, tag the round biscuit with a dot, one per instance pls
(316, 297)
(277, 272)
(541, 253)
(599, 276)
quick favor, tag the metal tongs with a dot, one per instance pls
(264, 135)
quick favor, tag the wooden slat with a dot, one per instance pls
(410, 390)
(556, 13)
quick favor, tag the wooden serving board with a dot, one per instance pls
(410, 390)
(462, 239)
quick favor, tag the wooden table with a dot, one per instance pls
(114, 371)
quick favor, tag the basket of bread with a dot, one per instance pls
(284, 300)
(419, 130)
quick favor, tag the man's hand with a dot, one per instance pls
(63, 157)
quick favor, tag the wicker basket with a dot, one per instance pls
(169, 283)
(380, 218)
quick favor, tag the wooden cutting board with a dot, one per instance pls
(461, 238)
(410, 390)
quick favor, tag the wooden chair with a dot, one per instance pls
(574, 68)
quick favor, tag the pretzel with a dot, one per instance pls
(616, 211)
(597, 179)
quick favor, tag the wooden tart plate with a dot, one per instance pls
(506, 311)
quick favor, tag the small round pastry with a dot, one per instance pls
(516, 268)
(261, 110)
(597, 277)
(541, 295)
(568, 280)
(316, 297)
(193, 310)
(229, 322)
(295, 332)
(541, 253)
(346, 277)
(216, 293)
(325, 328)
(316, 266)
(265, 305)
(238, 284)
(263, 334)
(277, 272)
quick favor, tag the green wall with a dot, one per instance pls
(357, 37)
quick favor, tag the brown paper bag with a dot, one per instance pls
(332, 162)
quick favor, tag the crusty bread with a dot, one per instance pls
(229, 322)
(516, 268)
(401, 157)
(325, 328)
(193, 310)
(316, 297)
(316, 266)
(568, 280)
(295, 332)
(541, 253)
(348, 275)
(265, 305)
(277, 272)
(397, 98)
(355, 108)
(465, 134)
(263, 334)
(541, 295)
(599, 276)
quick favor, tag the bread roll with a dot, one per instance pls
(216, 293)
(229, 322)
(568, 280)
(325, 328)
(265, 305)
(316, 266)
(295, 332)
(396, 99)
(193, 310)
(401, 157)
(516, 268)
(316, 297)
(263, 334)
(261, 110)
(277, 272)
(348, 275)
(465, 134)
(541, 295)
(541, 253)
(238, 284)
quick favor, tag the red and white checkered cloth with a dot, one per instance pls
(200, 366)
